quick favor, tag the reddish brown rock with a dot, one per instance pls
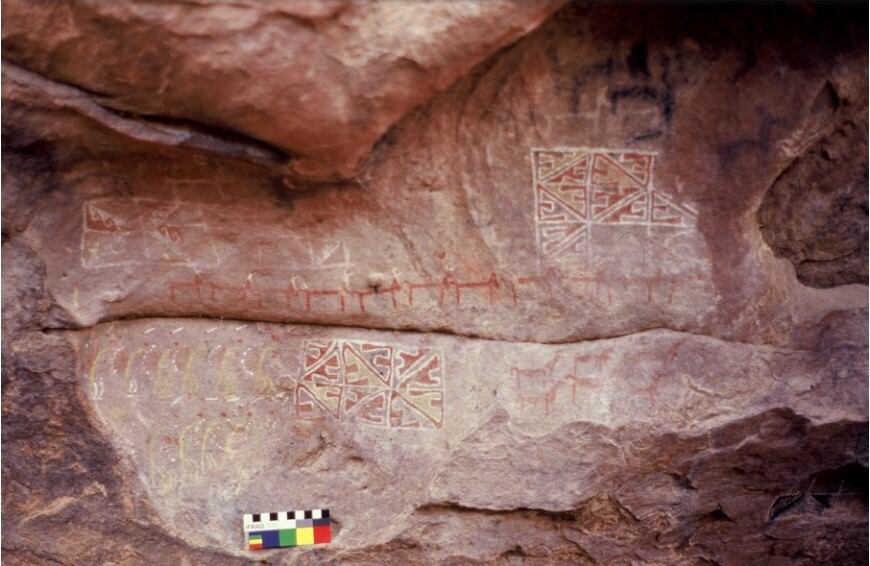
(815, 213)
(319, 82)
(597, 299)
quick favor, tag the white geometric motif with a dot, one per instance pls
(577, 188)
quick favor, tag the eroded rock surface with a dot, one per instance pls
(815, 214)
(598, 299)
(319, 81)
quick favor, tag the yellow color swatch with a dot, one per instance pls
(304, 535)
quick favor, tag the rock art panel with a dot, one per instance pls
(143, 231)
(585, 305)
(172, 247)
(277, 414)
(198, 404)
(556, 386)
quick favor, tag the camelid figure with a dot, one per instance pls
(541, 378)
(582, 380)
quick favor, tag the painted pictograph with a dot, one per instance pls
(377, 384)
(579, 189)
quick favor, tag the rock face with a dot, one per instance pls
(318, 82)
(815, 213)
(506, 282)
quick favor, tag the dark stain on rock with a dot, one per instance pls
(718, 514)
(757, 147)
(824, 492)
(667, 99)
(552, 55)
(632, 93)
(29, 162)
(281, 188)
(648, 135)
(827, 101)
(582, 76)
(637, 60)
(749, 61)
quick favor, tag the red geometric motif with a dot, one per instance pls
(576, 189)
(376, 384)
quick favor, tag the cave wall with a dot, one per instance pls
(514, 282)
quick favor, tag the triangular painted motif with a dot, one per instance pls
(367, 405)
(553, 209)
(634, 209)
(638, 165)
(357, 371)
(666, 212)
(611, 186)
(315, 401)
(416, 409)
(557, 237)
(548, 163)
(424, 375)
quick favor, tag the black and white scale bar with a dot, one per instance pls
(281, 519)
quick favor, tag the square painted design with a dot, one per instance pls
(384, 385)
(579, 189)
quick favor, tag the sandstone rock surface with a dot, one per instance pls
(319, 82)
(495, 282)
